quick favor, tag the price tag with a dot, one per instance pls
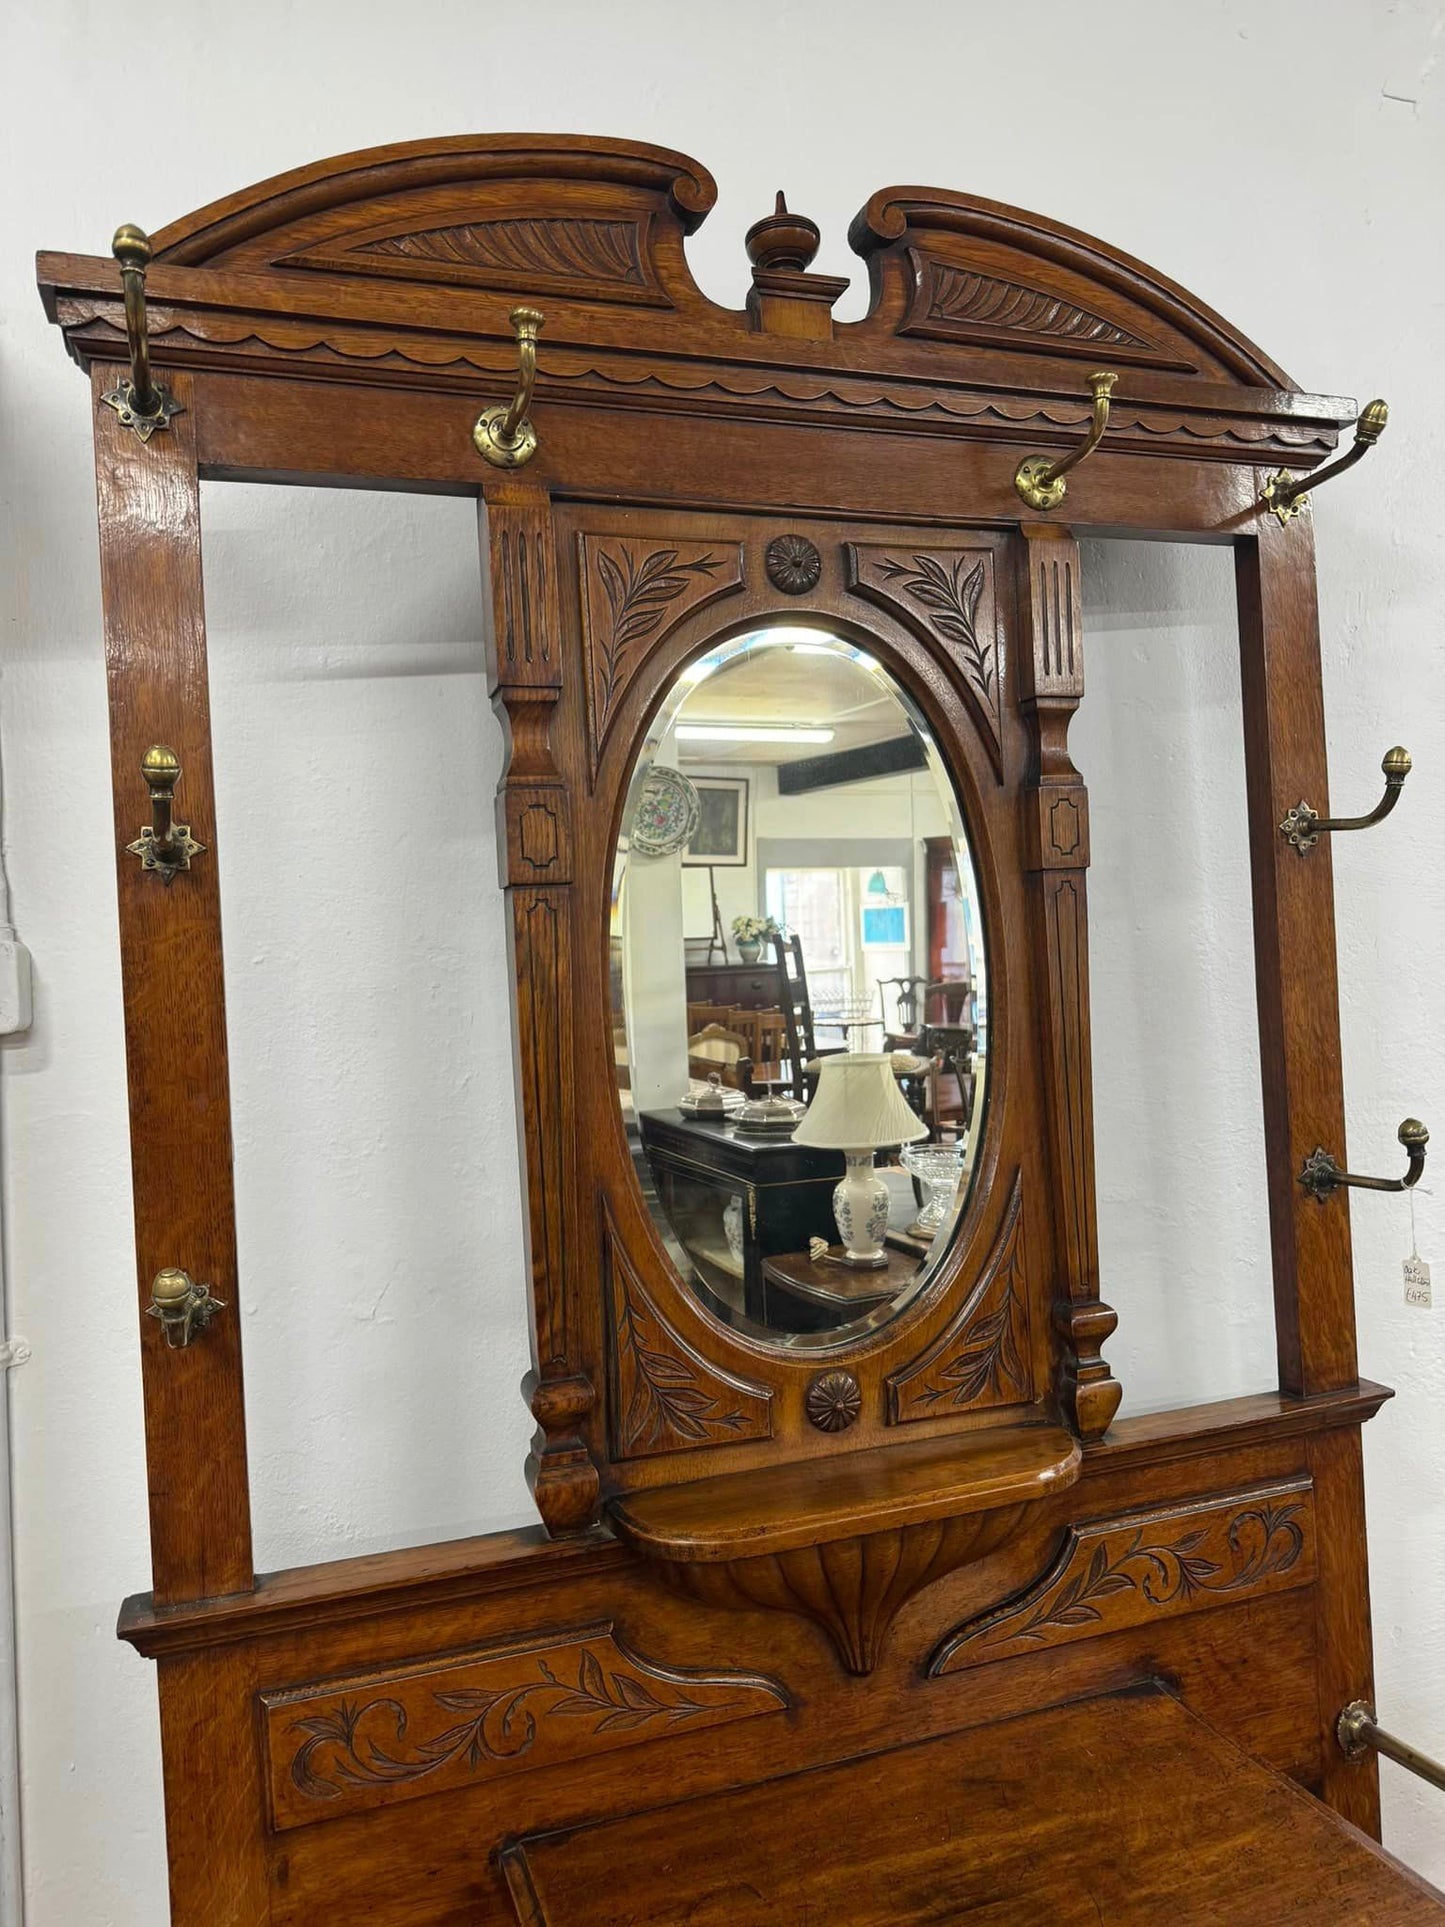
(1417, 1282)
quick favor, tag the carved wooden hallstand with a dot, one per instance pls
(610, 1716)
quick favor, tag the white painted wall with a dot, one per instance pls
(1284, 162)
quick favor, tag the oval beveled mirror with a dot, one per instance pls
(798, 972)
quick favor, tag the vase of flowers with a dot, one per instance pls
(750, 934)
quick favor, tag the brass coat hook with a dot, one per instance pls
(183, 1307)
(142, 403)
(1303, 826)
(504, 434)
(1039, 479)
(1287, 494)
(1321, 1173)
(164, 845)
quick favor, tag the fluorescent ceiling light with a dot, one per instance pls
(750, 733)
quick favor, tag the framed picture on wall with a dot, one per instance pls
(721, 836)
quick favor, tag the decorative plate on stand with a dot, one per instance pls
(668, 813)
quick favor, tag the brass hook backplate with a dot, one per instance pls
(164, 845)
(504, 434)
(183, 1307)
(1039, 479)
(1303, 826)
(1321, 1173)
(1287, 494)
(142, 403)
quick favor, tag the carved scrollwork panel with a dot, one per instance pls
(665, 1396)
(634, 590)
(1113, 1574)
(400, 1733)
(947, 596)
(982, 1357)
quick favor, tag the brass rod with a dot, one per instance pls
(1357, 1730)
(132, 249)
(1286, 494)
(1101, 387)
(1396, 767)
(527, 322)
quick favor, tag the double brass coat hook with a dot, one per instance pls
(504, 434)
(1303, 826)
(1321, 1174)
(1040, 480)
(164, 845)
(142, 403)
(1287, 494)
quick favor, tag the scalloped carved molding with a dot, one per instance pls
(1112, 1574)
(220, 341)
(947, 596)
(637, 589)
(983, 1356)
(666, 1398)
(425, 1728)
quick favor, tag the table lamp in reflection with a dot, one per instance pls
(857, 1108)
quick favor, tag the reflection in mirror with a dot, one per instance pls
(800, 1017)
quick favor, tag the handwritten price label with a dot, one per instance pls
(1417, 1283)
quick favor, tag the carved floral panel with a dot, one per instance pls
(397, 1734)
(947, 596)
(665, 1397)
(1149, 1565)
(982, 1356)
(634, 590)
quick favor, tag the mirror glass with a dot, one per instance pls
(800, 1011)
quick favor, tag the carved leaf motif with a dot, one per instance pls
(986, 301)
(981, 1357)
(634, 591)
(666, 1398)
(667, 1404)
(1116, 1573)
(366, 1744)
(941, 594)
(564, 249)
(952, 596)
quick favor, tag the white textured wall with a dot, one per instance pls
(1283, 162)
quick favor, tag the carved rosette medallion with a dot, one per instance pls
(833, 1401)
(793, 564)
(1113, 1574)
(397, 1734)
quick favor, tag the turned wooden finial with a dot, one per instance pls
(782, 240)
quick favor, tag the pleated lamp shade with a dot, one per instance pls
(858, 1106)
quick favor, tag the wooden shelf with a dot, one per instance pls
(847, 1541)
(774, 1509)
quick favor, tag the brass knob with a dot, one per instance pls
(183, 1307)
(1397, 764)
(1413, 1132)
(131, 246)
(161, 767)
